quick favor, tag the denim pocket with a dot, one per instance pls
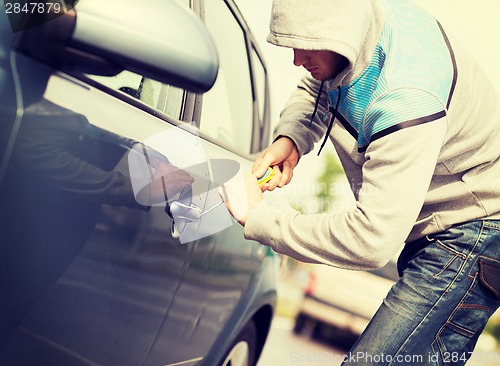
(454, 257)
(489, 275)
(455, 341)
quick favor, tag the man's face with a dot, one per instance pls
(323, 65)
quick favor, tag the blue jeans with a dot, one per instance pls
(434, 314)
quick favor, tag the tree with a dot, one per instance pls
(331, 172)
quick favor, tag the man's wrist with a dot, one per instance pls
(289, 139)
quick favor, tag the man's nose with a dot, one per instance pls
(299, 57)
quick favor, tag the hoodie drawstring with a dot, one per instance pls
(317, 102)
(334, 112)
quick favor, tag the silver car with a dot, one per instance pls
(120, 121)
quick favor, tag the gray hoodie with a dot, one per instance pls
(417, 130)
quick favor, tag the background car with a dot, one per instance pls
(92, 101)
(338, 304)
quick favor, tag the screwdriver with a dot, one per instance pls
(266, 177)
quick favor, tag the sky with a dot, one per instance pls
(475, 23)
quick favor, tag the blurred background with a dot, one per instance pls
(307, 293)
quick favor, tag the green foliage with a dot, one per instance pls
(331, 172)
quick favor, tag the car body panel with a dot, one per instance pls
(90, 274)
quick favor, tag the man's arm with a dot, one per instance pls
(396, 177)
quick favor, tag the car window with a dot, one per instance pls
(163, 97)
(228, 107)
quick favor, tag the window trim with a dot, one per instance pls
(264, 131)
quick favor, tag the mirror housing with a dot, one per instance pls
(159, 39)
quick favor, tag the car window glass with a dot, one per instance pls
(227, 107)
(165, 98)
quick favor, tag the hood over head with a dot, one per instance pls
(351, 28)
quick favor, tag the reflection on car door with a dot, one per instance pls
(90, 268)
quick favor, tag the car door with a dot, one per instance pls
(107, 265)
(89, 266)
(225, 283)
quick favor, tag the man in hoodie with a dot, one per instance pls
(416, 125)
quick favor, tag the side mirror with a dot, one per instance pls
(159, 39)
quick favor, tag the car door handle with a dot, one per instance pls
(183, 214)
(190, 212)
(182, 211)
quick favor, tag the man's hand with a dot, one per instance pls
(241, 194)
(282, 156)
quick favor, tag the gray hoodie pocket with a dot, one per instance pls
(489, 275)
